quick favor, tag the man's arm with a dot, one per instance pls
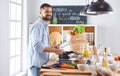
(54, 50)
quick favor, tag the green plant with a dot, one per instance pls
(79, 28)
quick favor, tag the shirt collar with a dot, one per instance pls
(43, 22)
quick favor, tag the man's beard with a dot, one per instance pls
(46, 18)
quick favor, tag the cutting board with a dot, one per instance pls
(67, 71)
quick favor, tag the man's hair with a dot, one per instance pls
(45, 5)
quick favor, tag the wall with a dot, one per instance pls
(33, 7)
(4, 42)
(33, 10)
(107, 25)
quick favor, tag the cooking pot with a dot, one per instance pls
(65, 56)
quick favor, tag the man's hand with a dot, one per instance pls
(59, 51)
(57, 46)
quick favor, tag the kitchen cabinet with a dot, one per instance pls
(62, 29)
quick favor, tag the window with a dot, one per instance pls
(15, 20)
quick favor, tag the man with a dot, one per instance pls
(39, 45)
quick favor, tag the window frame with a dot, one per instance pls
(20, 38)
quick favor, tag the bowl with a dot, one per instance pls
(114, 66)
(82, 67)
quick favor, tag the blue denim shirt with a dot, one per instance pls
(38, 40)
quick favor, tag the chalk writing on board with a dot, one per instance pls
(67, 15)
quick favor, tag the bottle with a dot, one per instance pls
(55, 19)
(86, 51)
(109, 51)
(105, 60)
(100, 49)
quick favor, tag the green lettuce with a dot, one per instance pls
(79, 28)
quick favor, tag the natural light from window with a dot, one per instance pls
(15, 17)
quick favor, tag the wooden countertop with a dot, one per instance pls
(68, 72)
(72, 72)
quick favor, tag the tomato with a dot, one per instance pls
(116, 59)
(119, 58)
(72, 33)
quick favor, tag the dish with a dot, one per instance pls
(82, 67)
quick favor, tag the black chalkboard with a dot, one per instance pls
(68, 15)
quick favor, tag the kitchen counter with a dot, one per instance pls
(67, 72)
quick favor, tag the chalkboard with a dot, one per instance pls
(68, 15)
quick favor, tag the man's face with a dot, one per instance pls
(46, 13)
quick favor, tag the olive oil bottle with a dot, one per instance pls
(86, 51)
(55, 18)
(105, 60)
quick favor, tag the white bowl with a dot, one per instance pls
(114, 66)
(82, 67)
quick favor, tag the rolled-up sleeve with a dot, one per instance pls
(36, 39)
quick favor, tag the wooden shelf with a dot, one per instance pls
(55, 28)
(89, 29)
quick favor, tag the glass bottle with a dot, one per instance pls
(105, 60)
(55, 19)
(100, 49)
(86, 51)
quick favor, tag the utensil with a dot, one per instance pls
(64, 44)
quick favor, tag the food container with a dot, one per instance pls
(82, 67)
(114, 66)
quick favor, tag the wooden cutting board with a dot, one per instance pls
(67, 71)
